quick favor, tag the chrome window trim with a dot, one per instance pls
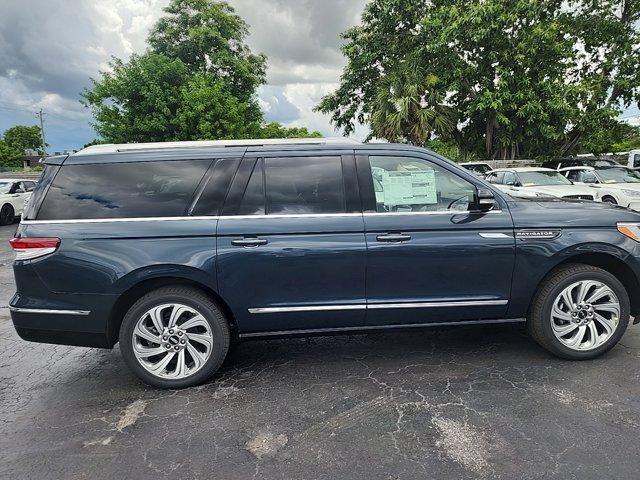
(376, 306)
(48, 311)
(246, 217)
(438, 212)
(112, 220)
(292, 215)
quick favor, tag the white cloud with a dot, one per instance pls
(50, 48)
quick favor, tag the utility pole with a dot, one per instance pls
(41, 115)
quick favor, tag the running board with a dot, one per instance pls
(368, 328)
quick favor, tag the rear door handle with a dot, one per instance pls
(393, 237)
(249, 242)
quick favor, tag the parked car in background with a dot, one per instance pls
(617, 185)
(175, 250)
(477, 168)
(634, 159)
(578, 162)
(537, 182)
(14, 193)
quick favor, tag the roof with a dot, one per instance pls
(18, 179)
(474, 163)
(523, 169)
(141, 152)
(137, 147)
(578, 167)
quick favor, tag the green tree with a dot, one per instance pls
(277, 130)
(208, 36)
(526, 78)
(197, 81)
(137, 101)
(9, 156)
(408, 106)
(22, 137)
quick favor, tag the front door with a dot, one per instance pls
(291, 248)
(429, 259)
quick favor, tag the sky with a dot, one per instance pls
(49, 49)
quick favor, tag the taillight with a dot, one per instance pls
(28, 248)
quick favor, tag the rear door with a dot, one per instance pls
(429, 259)
(291, 247)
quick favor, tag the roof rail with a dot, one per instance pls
(137, 147)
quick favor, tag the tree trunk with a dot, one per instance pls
(490, 129)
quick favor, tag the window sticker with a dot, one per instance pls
(408, 188)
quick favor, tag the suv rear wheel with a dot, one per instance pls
(174, 337)
(579, 312)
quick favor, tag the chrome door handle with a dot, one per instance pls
(249, 242)
(393, 237)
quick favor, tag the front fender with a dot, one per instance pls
(536, 258)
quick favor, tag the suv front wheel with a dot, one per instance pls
(579, 312)
(174, 337)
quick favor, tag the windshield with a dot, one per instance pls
(478, 167)
(618, 175)
(5, 187)
(540, 177)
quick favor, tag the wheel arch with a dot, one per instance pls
(608, 262)
(612, 196)
(137, 290)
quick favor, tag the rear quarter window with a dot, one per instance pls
(122, 190)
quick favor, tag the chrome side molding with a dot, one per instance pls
(47, 311)
(494, 235)
(376, 306)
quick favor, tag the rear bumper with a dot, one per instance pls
(59, 337)
(67, 324)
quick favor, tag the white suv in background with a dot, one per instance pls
(537, 182)
(618, 185)
(477, 168)
(14, 194)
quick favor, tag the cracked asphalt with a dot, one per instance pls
(457, 403)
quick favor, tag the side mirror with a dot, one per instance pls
(484, 201)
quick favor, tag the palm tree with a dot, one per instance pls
(409, 107)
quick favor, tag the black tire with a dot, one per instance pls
(7, 214)
(539, 321)
(195, 299)
(610, 200)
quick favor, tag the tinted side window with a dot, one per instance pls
(120, 190)
(33, 204)
(253, 201)
(405, 184)
(210, 200)
(29, 186)
(304, 185)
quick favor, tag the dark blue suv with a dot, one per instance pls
(176, 250)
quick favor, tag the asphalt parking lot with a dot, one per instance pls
(435, 404)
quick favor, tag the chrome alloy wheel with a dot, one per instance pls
(585, 315)
(172, 341)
